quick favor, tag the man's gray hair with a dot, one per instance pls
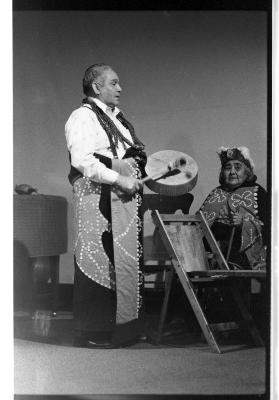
(91, 74)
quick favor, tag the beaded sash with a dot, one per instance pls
(119, 268)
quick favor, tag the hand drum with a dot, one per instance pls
(174, 182)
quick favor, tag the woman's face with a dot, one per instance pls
(235, 174)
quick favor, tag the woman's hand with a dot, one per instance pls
(237, 219)
(223, 214)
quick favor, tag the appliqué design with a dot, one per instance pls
(217, 196)
(245, 199)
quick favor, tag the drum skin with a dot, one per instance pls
(176, 183)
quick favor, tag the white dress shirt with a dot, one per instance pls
(85, 136)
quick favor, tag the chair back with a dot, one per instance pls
(183, 237)
(187, 241)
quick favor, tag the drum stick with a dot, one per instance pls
(172, 165)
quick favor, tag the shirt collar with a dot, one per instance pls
(106, 108)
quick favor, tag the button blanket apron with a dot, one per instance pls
(110, 252)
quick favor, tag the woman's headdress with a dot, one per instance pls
(240, 153)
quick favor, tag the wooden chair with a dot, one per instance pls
(183, 237)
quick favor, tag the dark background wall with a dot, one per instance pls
(192, 81)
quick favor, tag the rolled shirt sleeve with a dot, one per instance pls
(85, 137)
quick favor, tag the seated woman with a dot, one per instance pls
(236, 210)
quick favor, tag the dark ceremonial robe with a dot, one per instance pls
(248, 246)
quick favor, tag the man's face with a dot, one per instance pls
(235, 173)
(109, 88)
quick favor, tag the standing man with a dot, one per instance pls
(107, 163)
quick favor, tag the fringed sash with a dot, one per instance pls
(114, 135)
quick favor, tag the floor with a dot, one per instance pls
(46, 363)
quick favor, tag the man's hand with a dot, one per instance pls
(128, 184)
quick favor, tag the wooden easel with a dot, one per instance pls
(183, 236)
